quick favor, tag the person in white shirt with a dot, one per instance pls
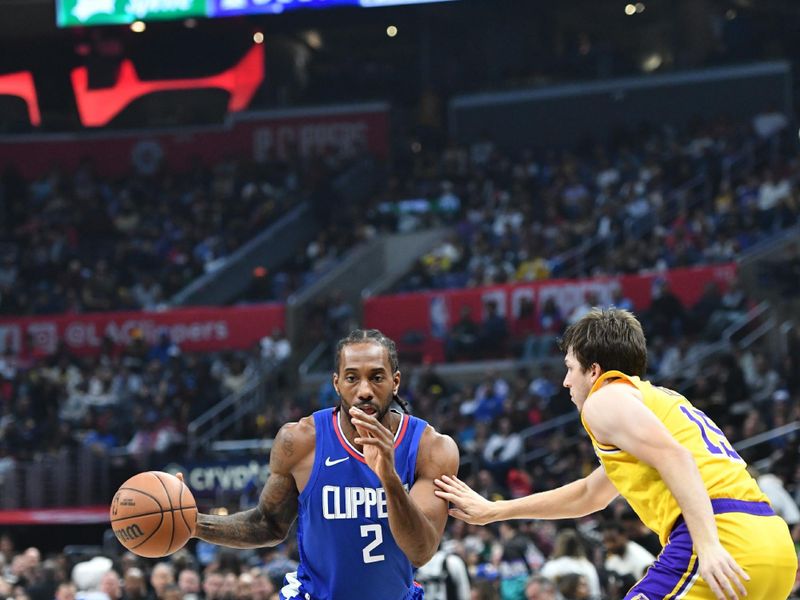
(569, 556)
(624, 558)
(444, 577)
(502, 449)
(781, 500)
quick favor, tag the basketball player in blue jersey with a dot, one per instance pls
(672, 464)
(359, 480)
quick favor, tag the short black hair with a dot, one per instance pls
(361, 336)
(366, 336)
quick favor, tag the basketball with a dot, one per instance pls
(153, 514)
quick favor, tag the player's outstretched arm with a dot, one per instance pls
(268, 523)
(576, 499)
(616, 416)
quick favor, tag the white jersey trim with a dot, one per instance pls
(353, 448)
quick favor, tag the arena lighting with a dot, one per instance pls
(630, 9)
(391, 31)
(138, 26)
(97, 107)
(258, 37)
(21, 85)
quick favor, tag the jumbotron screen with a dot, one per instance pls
(77, 13)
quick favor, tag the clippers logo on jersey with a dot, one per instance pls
(354, 502)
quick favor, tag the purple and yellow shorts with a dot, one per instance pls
(756, 538)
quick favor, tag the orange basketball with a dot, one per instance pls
(153, 514)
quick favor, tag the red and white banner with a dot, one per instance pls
(435, 312)
(193, 329)
(346, 130)
(55, 516)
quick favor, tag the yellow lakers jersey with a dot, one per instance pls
(722, 469)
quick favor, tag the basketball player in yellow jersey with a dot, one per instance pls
(670, 462)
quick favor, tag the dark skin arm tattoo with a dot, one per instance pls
(268, 523)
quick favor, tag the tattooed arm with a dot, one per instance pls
(268, 523)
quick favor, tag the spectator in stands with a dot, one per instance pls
(88, 577)
(569, 557)
(636, 532)
(237, 373)
(590, 300)
(276, 347)
(111, 585)
(502, 450)
(574, 586)
(550, 326)
(514, 549)
(444, 577)
(340, 316)
(147, 292)
(66, 591)
(189, 584)
(626, 561)
(620, 300)
(161, 578)
(781, 501)
(134, 584)
(734, 300)
(493, 331)
(769, 122)
(462, 340)
(666, 316)
(540, 588)
(212, 585)
(487, 484)
(172, 592)
(699, 315)
(761, 377)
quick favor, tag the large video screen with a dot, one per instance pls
(75, 13)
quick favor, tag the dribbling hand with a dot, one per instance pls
(467, 504)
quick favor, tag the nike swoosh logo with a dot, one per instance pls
(330, 463)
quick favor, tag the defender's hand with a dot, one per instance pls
(467, 504)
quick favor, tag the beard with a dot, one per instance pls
(379, 411)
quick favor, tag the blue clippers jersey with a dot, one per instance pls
(343, 536)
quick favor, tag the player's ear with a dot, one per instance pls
(396, 382)
(336, 384)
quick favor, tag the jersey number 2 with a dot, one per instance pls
(365, 532)
(709, 429)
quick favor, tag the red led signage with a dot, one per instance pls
(21, 85)
(98, 107)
